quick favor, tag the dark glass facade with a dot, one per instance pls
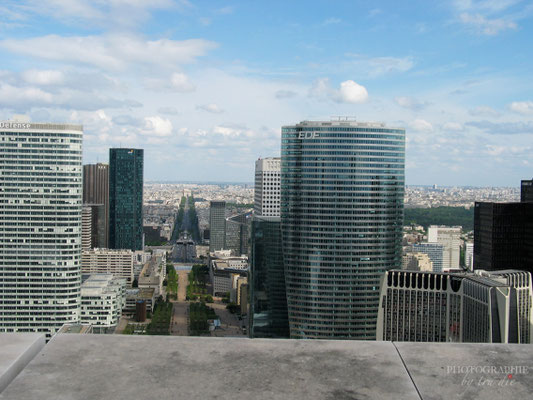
(96, 192)
(342, 189)
(503, 236)
(268, 298)
(526, 191)
(126, 199)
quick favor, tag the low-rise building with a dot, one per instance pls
(480, 307)
(119, 263)
(222, 270)
(154, 272)
(102, 300)
(133, 296)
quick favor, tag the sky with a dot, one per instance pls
(205, 86)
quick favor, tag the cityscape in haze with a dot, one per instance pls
(329, 200)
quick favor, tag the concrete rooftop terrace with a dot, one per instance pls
(86, 367)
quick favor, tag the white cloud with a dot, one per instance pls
(157, 126)
(212, 108)
(14, 97)
(522, 107)
(349, 91)
(180, 82)
(421, 125)
(110, 52)
(43, 77)
(485, 25)
(352, 92)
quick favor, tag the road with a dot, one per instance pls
(179, 322)
(230, 325)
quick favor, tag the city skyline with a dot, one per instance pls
(456, 75)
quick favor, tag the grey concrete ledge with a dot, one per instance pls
(163, 367)
(16, 351)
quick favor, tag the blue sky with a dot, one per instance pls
(204, 86)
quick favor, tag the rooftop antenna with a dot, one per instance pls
(343, 118)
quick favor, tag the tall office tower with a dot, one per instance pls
(435, 252)
(267, 186)
(450, 238)
(86, 228)
(93, 233)
(237, 233)
(40, 227)
(526, 191)
(96, 193)
(217, 225)
(126, 199)
(503, 236)
(268, 298)
(342, 188)
(493, 307)
(469, 256)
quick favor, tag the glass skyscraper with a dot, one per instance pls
(40, 226)
(342, 189)
(268, 299)
(126, 199)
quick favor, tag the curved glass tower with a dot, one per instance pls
(342, 188)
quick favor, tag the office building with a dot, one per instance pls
(93, 226)
(119, 263)
(223, 267)
(503, 236)
(435, 252)
(450, 238)
(237, 233)
(417, 262)
(267, 189)
(342, 189)
(96, 194)
(126, 199)
(268, 298)
(480, 307)
(40, 228)
(217, 225)
(102, 299)
(526, 191)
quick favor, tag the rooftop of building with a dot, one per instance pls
(344, 122)
(166, 367)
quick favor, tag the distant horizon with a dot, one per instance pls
(214, 182)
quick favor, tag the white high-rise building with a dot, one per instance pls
(450, 238)
(267, 187)
(40, 225)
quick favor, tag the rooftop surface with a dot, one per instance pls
(164, 367)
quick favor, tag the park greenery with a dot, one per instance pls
(161, 318)
(199, 314)
(196, 289)
(172, 282)
(450, 216)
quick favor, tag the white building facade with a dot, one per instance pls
(267, 189)
(450, 238)
(40, 226)
(119, 263)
